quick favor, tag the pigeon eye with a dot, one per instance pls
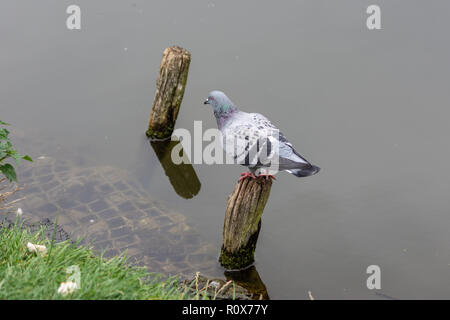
(210, 98)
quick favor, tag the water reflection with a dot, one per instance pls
(249, 279)
(182, 176)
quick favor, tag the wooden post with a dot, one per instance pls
(173, 73)
(243, 222)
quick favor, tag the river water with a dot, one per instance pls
(369, 107)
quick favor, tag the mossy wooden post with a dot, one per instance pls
(243, 222)
(173, 73)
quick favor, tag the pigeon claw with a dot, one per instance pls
(245, 175)
(267, 176)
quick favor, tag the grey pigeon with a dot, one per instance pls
(248, 136)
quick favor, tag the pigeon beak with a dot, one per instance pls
(206, 101)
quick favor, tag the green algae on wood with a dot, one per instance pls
(243, 222)
(170, 86)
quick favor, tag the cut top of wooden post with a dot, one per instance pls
(173, 73)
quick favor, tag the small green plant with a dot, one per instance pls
(7, 151)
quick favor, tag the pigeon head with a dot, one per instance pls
(220, 103)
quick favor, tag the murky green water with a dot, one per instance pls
(369, 107)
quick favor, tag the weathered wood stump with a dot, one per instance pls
(243, 222)
(173, 73)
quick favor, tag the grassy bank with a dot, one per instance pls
(25, 274)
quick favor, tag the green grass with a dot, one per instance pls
(28, 275)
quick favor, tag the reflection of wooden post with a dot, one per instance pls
(243, 222)
(182, 176)
(173, 73)
(249, 279)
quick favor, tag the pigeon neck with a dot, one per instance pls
(223, 115)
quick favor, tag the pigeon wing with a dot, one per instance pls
(288, 156)
(245, 143)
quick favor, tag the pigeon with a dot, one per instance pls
(248, 137)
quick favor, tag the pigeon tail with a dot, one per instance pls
(304, 172)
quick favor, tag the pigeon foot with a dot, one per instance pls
(267, 176)
(245, 175)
